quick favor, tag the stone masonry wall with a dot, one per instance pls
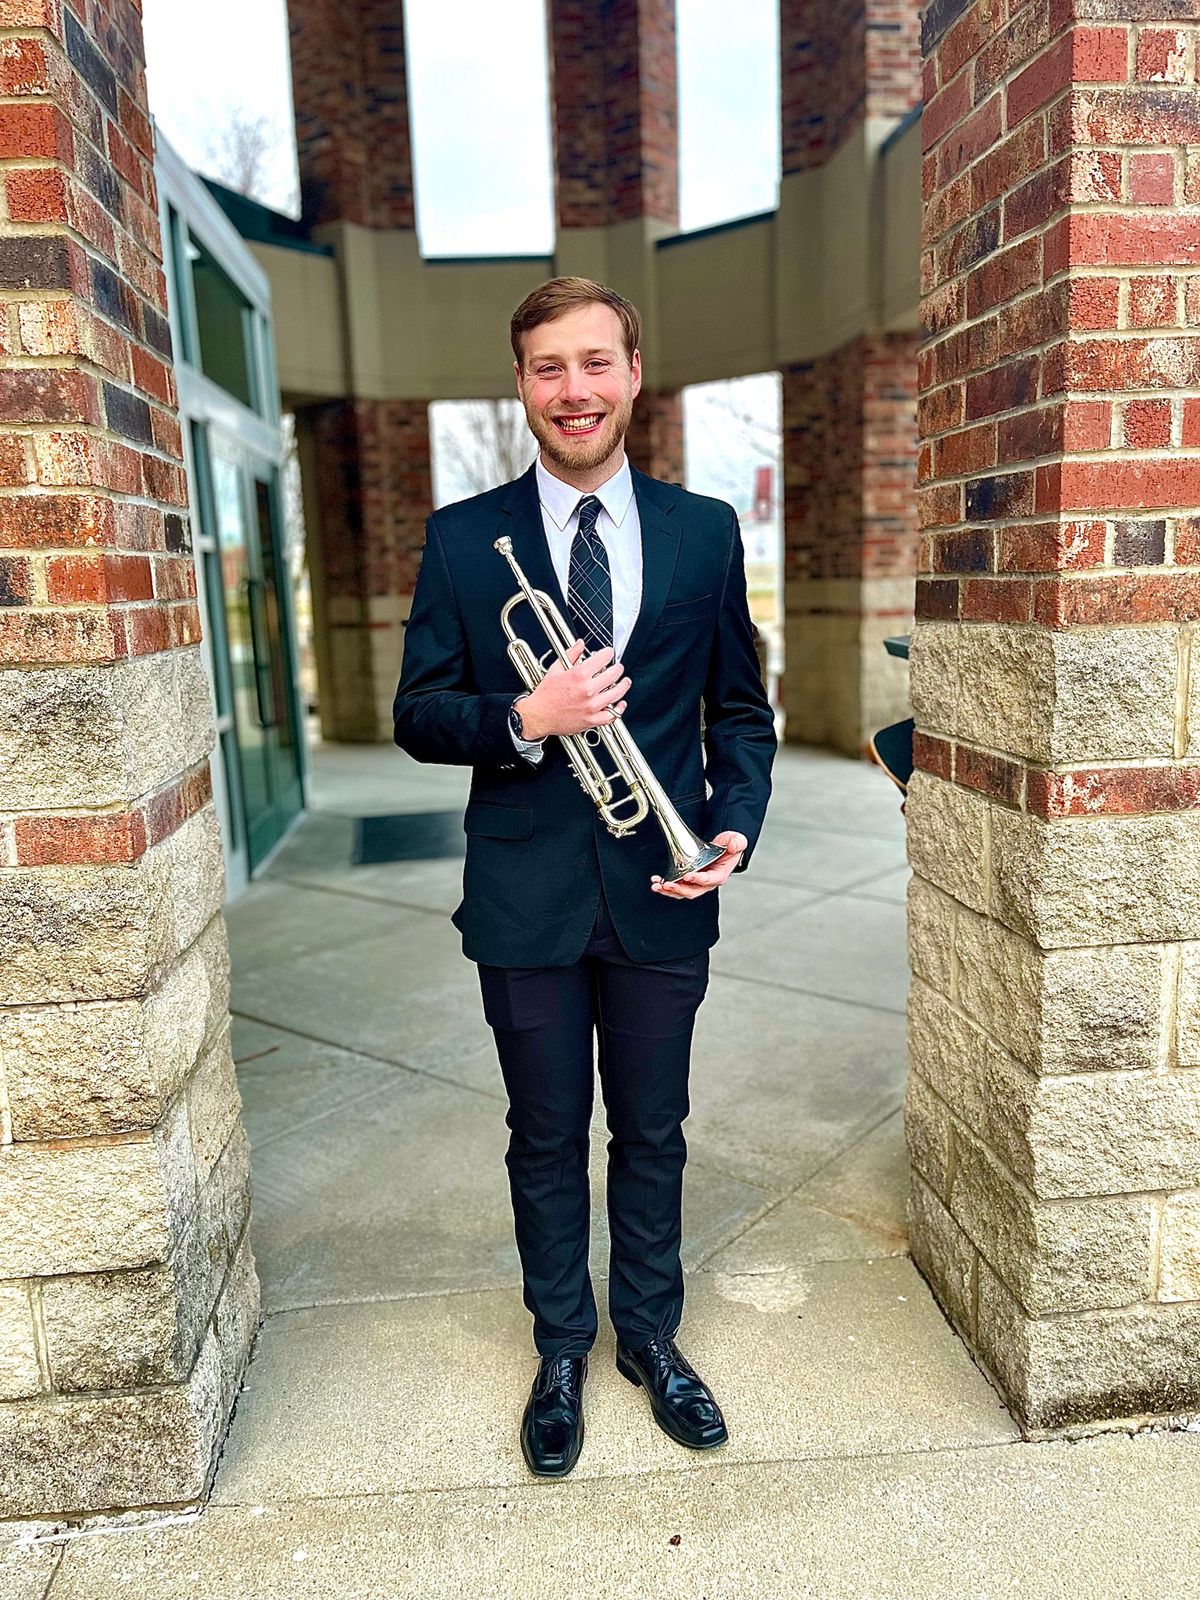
(128, 1297)
(1054, 1096)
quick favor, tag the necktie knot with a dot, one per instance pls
(589, 510)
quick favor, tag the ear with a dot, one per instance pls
(635, 367)
(520, 386)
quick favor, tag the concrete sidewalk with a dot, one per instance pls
(374, 1453)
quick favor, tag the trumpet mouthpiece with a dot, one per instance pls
(503, 544)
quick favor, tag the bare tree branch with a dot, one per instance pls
(479, 444)
(246, 151)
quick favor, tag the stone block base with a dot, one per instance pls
(839, 683)
(82, 1456)
(1078, 1371)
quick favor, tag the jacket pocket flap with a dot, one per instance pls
(498, 821)
(687, 610)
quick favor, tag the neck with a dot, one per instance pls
(588, 478)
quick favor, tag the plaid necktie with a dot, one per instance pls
(589, 583)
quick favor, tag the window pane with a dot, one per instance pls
(479, 106)
(728, 110)
(223, 318)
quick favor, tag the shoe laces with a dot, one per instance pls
(562, 1372)
(666, 1356)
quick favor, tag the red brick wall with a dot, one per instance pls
(841, 61)
(1059, 460)
(350, 93)
(615, 117)
(850, 461)
(95, 546)
(374, 491)
(655, 438)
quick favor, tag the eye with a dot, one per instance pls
(547, 372)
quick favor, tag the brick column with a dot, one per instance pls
(655, 438)
(615, 113)
(1054, 1094)
(128, 1297)
(367, 486)
(368, 489)
(350, 95)
(615, 123)
(850, 528)
(849, 430)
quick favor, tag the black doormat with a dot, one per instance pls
(412, 836)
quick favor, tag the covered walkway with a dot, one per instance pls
(373, 1451)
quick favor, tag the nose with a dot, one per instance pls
(576, 388)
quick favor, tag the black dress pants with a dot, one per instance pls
(545, 1020)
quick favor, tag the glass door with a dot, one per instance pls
(254, 639)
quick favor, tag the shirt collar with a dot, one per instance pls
(560, 499)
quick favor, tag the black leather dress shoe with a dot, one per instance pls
(681, 1401)
(552, 1427)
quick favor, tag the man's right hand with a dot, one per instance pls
(571, 699)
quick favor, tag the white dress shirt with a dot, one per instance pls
(620, 530)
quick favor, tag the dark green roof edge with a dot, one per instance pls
(258, 224)
(536, 258)
(717, 227)
(902, 127)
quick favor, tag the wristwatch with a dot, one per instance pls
(514, 720)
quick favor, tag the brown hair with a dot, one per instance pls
(557, 296)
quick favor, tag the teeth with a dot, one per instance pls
(577, 424)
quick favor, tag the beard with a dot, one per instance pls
(582, 455)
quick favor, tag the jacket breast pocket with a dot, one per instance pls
(496, 821)
(686, 610)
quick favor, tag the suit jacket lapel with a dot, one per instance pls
(660, 550)
(521, 519)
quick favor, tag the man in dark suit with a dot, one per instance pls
(578, 935)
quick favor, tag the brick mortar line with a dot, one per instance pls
(69, 1397)
(113, 808)
(1183, 689)
(1063, 768)
(1153, 456)
(84, 365)
(998, 90)
(1117, 209)
(1124, 274)
(1021, 808)
(1067, 335)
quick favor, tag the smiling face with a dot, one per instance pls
(578, 386)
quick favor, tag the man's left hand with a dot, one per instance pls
(693, 884)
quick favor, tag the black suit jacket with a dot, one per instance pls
(537, 848)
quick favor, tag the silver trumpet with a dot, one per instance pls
(645, 794)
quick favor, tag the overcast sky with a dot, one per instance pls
(479, 108)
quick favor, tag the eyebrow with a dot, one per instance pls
(550, 355)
